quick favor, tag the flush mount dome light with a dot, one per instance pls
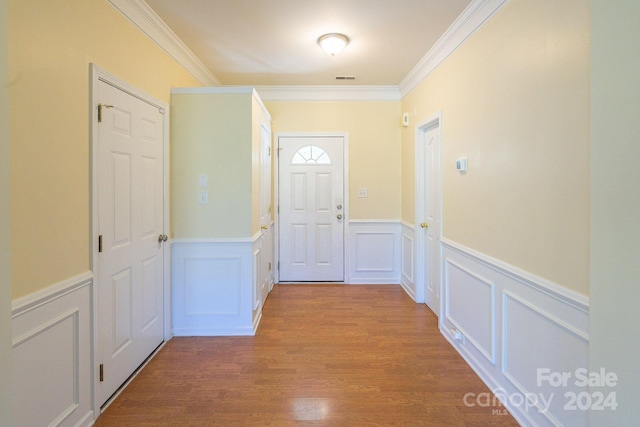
(333, 43)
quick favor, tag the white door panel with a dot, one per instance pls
(311, 179)
(431, 140)
(266, 258)
(130, 220)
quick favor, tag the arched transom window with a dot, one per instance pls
(311, 155)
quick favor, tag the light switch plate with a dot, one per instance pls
(203, 197)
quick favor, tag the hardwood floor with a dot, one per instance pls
(323, 355)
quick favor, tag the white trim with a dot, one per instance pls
(374, 222)
(407, 256)
(166, 225)
(229, 90)
(489, 353)
(408, 225)
(521, 306)
(565, 295)
(434, 120)
(377, 259)
(214, 240)
(329, 93)
(229, 272)
(44, 296)
(469, 21)
(149, 23)
(59, 313)
(276, 195)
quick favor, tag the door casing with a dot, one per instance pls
(97, 74)
(345, 183)
(420, 205)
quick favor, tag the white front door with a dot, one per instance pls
(311, 204)
(431, 219)
(130, 264)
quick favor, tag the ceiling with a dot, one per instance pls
(274, 42)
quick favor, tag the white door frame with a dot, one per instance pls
(276, 195)
(98, 75)
(420, 208)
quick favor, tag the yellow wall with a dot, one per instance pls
(615, 204)
(374, 146)
(211, 134)
(515, 102)
(51, 44)
(6, 378)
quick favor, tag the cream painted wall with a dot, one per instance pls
(515, 102)
(615, 204)
(374, 146)
(51, 44)
(6, 378)
(211, 134)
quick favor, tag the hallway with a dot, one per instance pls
(323, 355)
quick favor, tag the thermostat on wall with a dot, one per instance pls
(461, 165)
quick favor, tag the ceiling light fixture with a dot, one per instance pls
(333, 43)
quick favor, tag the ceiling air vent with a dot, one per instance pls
(345, 77)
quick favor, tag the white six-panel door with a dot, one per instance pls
(130, 222)
(311, 203)
(431, 225)
(265, 213)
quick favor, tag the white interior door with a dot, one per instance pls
(265, 213)
(311, 205)
(130, 262)
(431, 223)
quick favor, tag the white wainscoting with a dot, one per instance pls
(215, 284)
(374, 252)
(507, 324)
(52, 355)
(408, 260)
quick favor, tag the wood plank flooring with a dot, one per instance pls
(324, 355)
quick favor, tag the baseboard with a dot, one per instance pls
(52, 339)
(203, 331)
(510, 326)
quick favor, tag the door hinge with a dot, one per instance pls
(100, 243)
(278, 265)
(269, 266)
(100, 111)
(101, 372)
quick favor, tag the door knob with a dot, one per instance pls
(339, 216)
(264, 227)
(424, 225)
(162, 238)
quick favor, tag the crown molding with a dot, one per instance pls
(469, 21)
(147, 21)
(329, 93)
